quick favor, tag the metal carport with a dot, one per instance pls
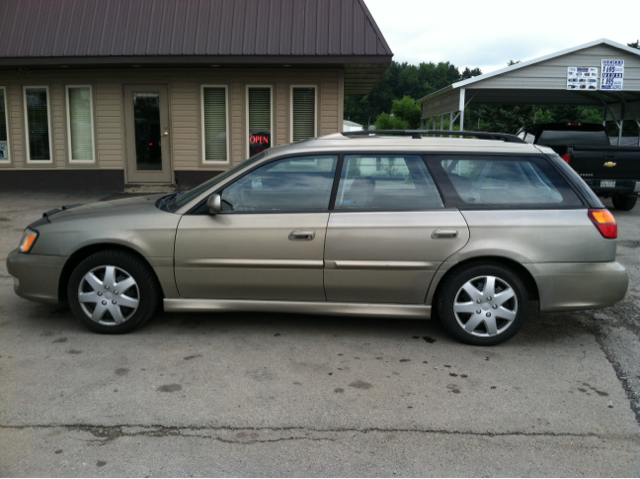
(543, 81)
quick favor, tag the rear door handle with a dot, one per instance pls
(445, 233)
(302, 235)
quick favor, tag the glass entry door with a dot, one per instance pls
(147, 133)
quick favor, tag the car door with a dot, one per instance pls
(267, 243)
(389, 231)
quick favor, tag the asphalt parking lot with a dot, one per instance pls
(293, 395)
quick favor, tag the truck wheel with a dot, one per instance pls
(624, 203)
(483, 304)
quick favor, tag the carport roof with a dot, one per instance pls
(543, 81)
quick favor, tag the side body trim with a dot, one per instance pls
(416, 311)
(255, 263)
(347, 264)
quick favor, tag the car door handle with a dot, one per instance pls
(302, 235)
(445, 234)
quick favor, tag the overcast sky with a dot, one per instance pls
(487, 34)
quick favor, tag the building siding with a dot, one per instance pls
(184, 89)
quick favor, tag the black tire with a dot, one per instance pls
(138, 301)
(624, 203)
(492, 321)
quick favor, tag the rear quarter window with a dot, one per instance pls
(502, 182)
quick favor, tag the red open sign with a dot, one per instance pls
(259, 142)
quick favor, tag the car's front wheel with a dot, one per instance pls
(113, 292)
(483, 304)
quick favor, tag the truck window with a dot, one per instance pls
(573, 138)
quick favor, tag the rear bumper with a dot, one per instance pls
(576, 286)
(36, 277)
(623, 187)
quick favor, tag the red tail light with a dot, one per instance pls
(605, 222)
(566, 157)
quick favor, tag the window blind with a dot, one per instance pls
(215, 123)
(304, 113)
(4, 142)
(3, 119)
(38, 123)
(259, 110)
(80, 123)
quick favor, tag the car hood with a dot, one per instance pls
(122, 207)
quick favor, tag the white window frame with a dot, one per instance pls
(246, 96)
(26, 124)
(6, 116)
(93, 131)
(226, 107)
(315, 116)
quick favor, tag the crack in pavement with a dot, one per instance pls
(249, 435)
(594, 326)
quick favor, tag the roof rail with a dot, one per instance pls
(417, 134)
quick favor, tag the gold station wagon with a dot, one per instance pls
(397, 224)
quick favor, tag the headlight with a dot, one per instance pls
(28, 240)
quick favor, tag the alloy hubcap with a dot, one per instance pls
(108, 295)
(485, 306)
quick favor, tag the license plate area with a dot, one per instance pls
(607, 183)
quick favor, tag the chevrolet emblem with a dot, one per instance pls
(610, 164)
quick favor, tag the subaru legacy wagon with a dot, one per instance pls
(473, 230)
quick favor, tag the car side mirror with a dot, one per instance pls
(214, 203)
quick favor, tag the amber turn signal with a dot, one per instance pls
(605, 222)
(27, 241)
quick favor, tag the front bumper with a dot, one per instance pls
(576, 286)
(37, 276)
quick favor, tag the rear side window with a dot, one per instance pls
(386, 183)
(507, 182)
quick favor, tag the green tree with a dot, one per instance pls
(390, 122)
(542, 116)
(398, 81)
(635, 44)
(407, 110)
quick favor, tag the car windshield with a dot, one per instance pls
(183, 197)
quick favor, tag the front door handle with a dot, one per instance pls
(445, 233)
(302, 235)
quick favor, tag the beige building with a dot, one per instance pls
(105, 94)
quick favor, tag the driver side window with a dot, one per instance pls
(292, 184)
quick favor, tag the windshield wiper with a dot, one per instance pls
(164, 201)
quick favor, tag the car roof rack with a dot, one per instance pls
(417, 134)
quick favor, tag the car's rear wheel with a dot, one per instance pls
(624, 203)
(483, 303)
(113, 292)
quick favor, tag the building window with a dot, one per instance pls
(303, 113)
(214, 124)
(80, 123)
(36, 100)
(4, 131)
(259, 118)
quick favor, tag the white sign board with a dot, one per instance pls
(582, 78)
(4, 150)
(612, 74)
